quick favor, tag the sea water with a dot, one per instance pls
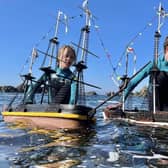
(104, 145)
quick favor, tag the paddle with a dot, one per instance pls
(93, 111)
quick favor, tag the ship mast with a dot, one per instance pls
(53, 43)
(161, 15)
(51, 53)
(81, 65)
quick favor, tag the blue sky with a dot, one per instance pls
(25, 22)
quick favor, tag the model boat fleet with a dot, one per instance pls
(73, 116)
(46, 114)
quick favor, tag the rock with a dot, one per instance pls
(20, 88)
(8, 89)
(91, 93)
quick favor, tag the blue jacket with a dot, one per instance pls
(61, 74)
(162, 65)
(67, 73)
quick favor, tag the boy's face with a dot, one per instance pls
(166, 53)
(66, 59)
(166, 49)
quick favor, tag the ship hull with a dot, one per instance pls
(52, 116)
(137, 117)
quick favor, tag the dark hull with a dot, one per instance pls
(144, 118)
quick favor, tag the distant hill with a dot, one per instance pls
(9, 88)
(20, 88)
(143, 92)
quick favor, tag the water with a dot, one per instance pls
(106, 144)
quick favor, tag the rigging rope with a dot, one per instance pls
(46, 36)
(115, 76)
(105, 51)
(132, 41)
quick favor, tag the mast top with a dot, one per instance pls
(161, 16)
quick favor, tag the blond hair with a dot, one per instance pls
(165, 43)
(61, 50)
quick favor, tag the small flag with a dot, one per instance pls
(66, 23)
(60, 13)
(96, 27)
(34, 53)
(85, 3)
(134, 58)
(115, 82)
(119, 64)
(130, 50)
(134, 64)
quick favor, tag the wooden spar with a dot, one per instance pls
(52, 43)
(83, 42)
(119, 91)
(154, 71)
(155, 59)
(57, 24)
(81, 82)
(68, 79)
(85, 50)
(42, 52)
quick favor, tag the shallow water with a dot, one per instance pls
(105, 144)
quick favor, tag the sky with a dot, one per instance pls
(115, 25)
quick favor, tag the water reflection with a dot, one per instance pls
(106, 144)
(53, 148)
